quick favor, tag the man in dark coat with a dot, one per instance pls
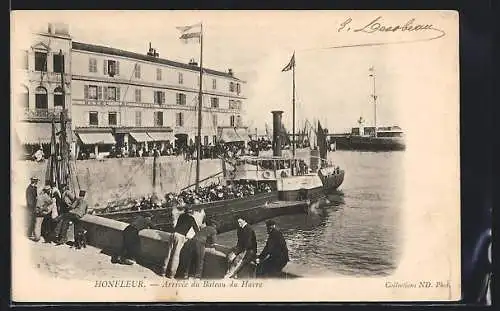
(274, 256)
(31, 196)
(131, 241)
(247, 242)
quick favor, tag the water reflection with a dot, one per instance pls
(356, 233)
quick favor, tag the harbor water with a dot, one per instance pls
(355, 235)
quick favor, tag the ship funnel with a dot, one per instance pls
(276, 132)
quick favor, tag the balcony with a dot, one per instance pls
(42, 114)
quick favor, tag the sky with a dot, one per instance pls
(332, 85)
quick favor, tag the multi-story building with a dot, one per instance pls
(120, 98)
(141, 99)
(37, 88)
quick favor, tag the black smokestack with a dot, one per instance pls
(276, 133)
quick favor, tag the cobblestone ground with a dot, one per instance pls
(84, 264)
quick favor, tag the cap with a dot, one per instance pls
(34, 178)
(82, 193)
(46, 188)
(270, 223)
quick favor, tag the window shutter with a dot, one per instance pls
(117, 68)
(162, 97)
(99, 92)
(105, 71)
(118, 97)
(105, 92)
(85, 91)
(90, 64)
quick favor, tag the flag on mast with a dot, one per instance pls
(190, 32)
(291, 64)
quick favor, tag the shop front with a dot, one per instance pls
(94, 143)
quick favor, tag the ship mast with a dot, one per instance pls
(293, 112)
(200, 105)
(374, 96)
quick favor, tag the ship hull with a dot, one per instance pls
(369, 143)
(255, 209)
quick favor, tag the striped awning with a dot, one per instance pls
(161, 136)
(141, 137)
(97, 138)
(35, 133)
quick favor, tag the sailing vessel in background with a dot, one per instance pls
(375, 138)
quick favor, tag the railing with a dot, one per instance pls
(42, 114)
(102, 102)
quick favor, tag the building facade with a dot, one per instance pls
(117, 98)
(38, 86)
(144, 100)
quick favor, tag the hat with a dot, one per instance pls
(46, 188)
(34, 178)
(82, 193)
(270, 223)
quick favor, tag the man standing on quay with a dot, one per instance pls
(185, 222)
(31, 196)
(274, 256)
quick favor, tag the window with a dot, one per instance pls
(41, 98)
(159, 97)
(91, 91)
(214, 84)
(138, 118)
(233, 104)
(112, 93)
(25, 97)
(238, 121)
(158, 74)
(40, 61)
(214, 102)
(93, 118)
(181, 99)
(137, 71)
(214, 139)
(179, 119)
(231, 121)
(112, 120)
(238, 88)
(58, 97)
(180, 78)
(138, 96)
(58, 63)
(214, 120)
(205, 140)
(159, 118)
(231, 86)
(92, 65)
(111, 68)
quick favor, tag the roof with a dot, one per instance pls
(117, 52)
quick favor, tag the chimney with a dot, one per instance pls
(192, 62)
(230, 72)
(276, 133)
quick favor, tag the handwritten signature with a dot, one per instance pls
(377, 25)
